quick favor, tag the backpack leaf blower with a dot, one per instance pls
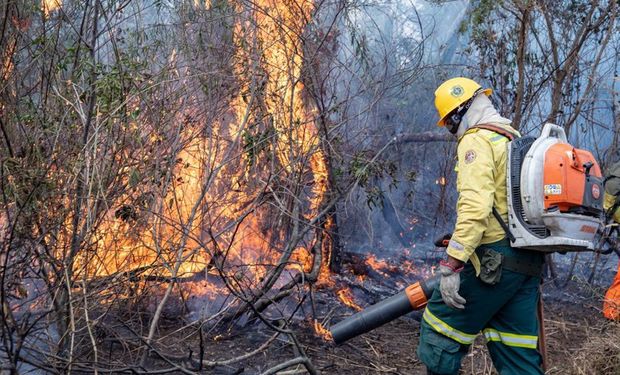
(554, 191)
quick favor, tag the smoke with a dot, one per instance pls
(391, 46)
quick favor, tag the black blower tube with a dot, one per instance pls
(384, 311)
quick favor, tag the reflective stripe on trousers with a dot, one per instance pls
(491, 334)
(442, 327)
(511, 339)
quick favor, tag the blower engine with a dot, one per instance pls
(555, 194)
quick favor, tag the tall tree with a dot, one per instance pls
(546, 59)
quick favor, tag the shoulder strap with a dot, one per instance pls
(503, 224)
(497, 129)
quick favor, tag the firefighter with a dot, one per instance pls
(486, 286)
(611, 203)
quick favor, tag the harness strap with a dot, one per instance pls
(523, 267)
(518, 265)
(497, 129)
(503, 224)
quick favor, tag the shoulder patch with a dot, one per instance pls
(470, 156)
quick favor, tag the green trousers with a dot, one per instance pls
(505, 313)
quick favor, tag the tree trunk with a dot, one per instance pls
(522, 47)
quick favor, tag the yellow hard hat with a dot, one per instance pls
(453, 93)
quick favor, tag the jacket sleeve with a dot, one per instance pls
(608, 201)
(476, 188)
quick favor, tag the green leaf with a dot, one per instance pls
(134, 178)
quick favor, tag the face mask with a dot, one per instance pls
(463, 126)
(452, 127)
(453, 121)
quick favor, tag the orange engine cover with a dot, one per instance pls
(565, 180)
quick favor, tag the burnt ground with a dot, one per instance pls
(578, 340)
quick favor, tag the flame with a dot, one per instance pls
(173, 237)
(346, 296)
(376, 264)
(441, 181)
(278, 26)
(321, 331)
(48, 6)
(4, 227)
(202, 4)
(324, 273)
(7, 68)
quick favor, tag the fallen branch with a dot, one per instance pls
(227, 362)
(292, 362)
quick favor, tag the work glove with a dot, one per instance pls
(450, 284)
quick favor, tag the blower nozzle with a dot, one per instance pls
(414, 297)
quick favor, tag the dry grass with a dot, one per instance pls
(600, 354)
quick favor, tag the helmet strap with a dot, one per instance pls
(455, 117)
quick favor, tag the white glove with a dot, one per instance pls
(449, 287)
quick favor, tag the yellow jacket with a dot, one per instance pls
(608, 202)
(481, 185)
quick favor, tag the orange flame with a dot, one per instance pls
(48, 6)
(347, 298)
(174, 234)
(321, 331)
(279, 25)
(202, 3)
(376, 264)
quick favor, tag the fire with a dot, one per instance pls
(48, 6)
(278, 28)
(324, 333)
(376, 264)
(347, 298)
(7, 68)
(202, 3)
(301, 260)
(172, 239)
